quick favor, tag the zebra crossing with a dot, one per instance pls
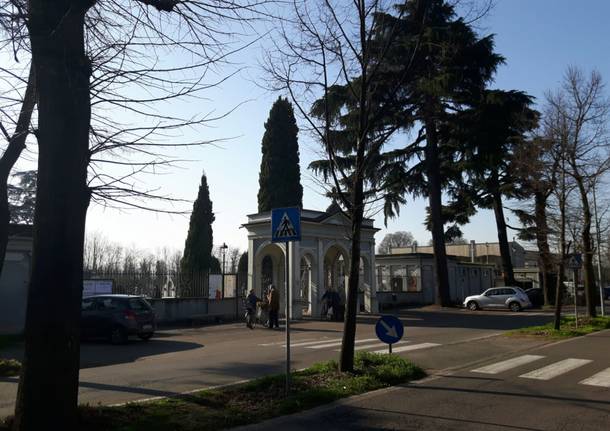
(553, 370)
(369, 344)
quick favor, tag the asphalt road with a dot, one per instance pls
(182, 360)
(557, 387)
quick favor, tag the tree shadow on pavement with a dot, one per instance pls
(102, 353)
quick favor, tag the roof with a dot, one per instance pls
(381, 257)
(308, 215)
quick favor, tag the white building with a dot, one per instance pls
(320, 261)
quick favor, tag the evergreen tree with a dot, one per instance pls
(495, 128)
(431, 66)
(280, 175)
(197, 256)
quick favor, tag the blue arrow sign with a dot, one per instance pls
(286, 224)
(389, 329)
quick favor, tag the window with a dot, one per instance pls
(383, 278)
(399, 275)
(413, 284)
(138, 305)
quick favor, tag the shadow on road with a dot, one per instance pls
(464, 319)
(100, 353)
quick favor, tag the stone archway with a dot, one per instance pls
(336, 270)
(268, 267)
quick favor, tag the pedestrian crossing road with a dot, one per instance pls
(539, 368)
(369, 344)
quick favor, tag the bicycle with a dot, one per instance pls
(250, 318)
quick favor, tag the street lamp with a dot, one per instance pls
(223, 247)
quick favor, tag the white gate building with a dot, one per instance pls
(319, 262)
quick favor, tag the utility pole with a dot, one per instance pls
(223, 247)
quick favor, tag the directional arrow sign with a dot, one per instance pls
(389, 329)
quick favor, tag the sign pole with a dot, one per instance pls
(575, 278)
(286, 228)
(390, 348)
(287, 319)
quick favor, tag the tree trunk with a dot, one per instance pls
(349, 326)
(15, 146)
(562, 244)
(48, 388)
(587, 244)
(542, 240)
(507, 264)
(443, 297)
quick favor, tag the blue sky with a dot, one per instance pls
(539, 39)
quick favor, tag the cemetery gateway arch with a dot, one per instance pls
(320, 261)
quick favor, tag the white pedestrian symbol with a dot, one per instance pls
(285, 228)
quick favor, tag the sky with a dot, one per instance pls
(538, 38)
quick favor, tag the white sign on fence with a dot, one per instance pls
(97, 287)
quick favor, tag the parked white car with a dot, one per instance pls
(513, 298)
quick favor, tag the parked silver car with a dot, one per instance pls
(513, 298)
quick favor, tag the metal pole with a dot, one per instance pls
(575, 278)
(224, 253)
(599, 253)
(287, 319)
(390, 348)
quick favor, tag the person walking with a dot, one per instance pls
(274, 307)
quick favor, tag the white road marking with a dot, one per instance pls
(374, 346)
(600, 379)
(499, 367)
(408, 348)
(281, 343)
(338, 343)
(370, 346)
(311, 343)
(556, 369)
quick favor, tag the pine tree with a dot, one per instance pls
(197, 256)
(280, 175)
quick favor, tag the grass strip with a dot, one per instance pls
(586, 325)
(9, 367)
(255, 401)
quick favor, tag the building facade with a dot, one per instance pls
(409, 279)
(319, 262)
(15, 279)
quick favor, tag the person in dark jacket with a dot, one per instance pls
(251, 301)
(274, 307)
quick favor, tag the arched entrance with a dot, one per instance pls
(336, 269)
(268, 268)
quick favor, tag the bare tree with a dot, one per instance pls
(395, 240)
(62, 39)
(583, 107)
(327, 61)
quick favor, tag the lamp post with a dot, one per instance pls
(223, 247)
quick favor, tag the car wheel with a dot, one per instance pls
(473, 306)
(118, 335)
(514, 306)
(145, 337)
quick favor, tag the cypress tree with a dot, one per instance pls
(280, 175)
(197, 256)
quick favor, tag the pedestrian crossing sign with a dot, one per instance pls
(286, 224)
(575, 261)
